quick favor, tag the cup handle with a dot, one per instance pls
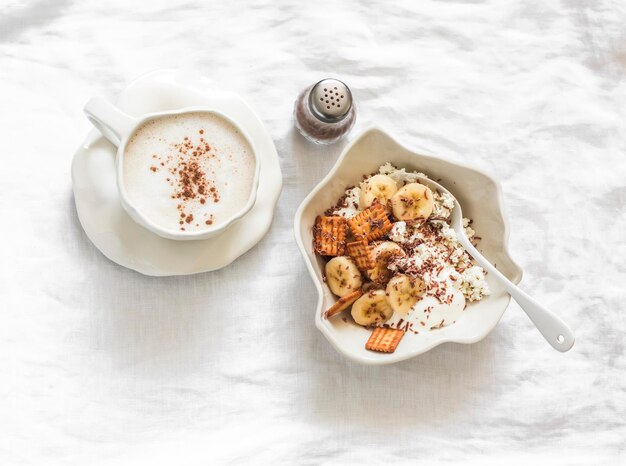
(114, 124)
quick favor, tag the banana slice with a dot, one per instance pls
(403, 292)
(371, 309)
(383, 252)
(378, 188)
(413, 201)
(343, 276)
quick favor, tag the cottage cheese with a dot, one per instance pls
(351, 203)
(433, 253)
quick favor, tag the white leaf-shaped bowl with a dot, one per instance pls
(481, 199)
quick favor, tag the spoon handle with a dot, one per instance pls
(554, 330)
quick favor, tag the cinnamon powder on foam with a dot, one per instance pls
(188, 178)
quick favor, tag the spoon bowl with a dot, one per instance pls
(482, 200)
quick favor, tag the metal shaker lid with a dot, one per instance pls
(330, 100)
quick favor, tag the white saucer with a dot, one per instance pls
(122, 240)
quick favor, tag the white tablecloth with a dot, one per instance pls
(103, 365)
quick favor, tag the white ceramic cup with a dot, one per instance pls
(118, 127)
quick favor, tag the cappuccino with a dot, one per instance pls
(188, 171)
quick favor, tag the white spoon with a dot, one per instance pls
(549, 324)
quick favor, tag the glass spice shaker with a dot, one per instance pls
(325, 112)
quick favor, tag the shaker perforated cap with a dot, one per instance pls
(330, 100)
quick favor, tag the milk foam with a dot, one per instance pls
(188, 172)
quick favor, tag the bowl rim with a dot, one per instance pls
(137, 214)
(393, 358)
